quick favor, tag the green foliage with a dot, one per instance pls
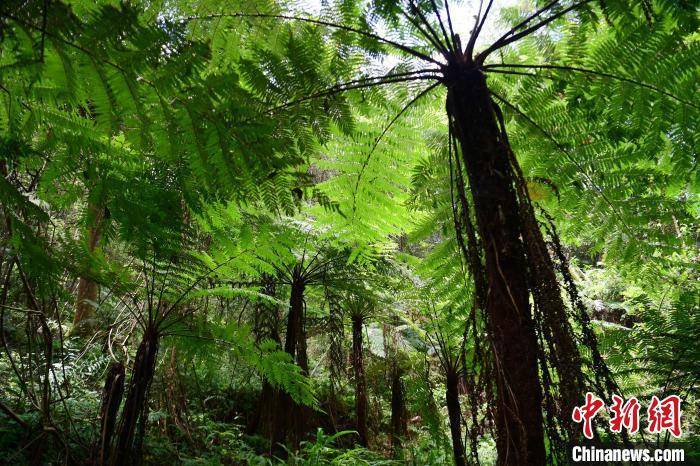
(322, 451)
(186, 157)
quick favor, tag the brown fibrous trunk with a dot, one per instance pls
(111, 399)
(288, 423)
(485, 155)
(135, 405)
(454, 413)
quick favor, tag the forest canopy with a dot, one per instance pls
(348, 232)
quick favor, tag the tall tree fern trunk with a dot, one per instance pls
(302, 355)
(491, 180)
(454, 413)
(136, 399)
(288, 424)
(555, 328)
(111, 399)
(360, 382)
(295, 318)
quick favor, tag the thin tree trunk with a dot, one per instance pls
(360, 382)
(520, 435)
(176, 400)
(454, 413)
(87, 288)
(399, 427)
(136, 399)
(111, 399)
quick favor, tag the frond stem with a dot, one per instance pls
(448, 40)
(595, 73)
(383, 133)
(536, 14)
(477, 30)
(502, 43)
(425, 34)
(402, 47)
(516, 73)
(350, 85)
(416, 10)
(449, 23)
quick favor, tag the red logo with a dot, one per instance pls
(662, 415)
(586, 413)
(665, 415)
(624, 415)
